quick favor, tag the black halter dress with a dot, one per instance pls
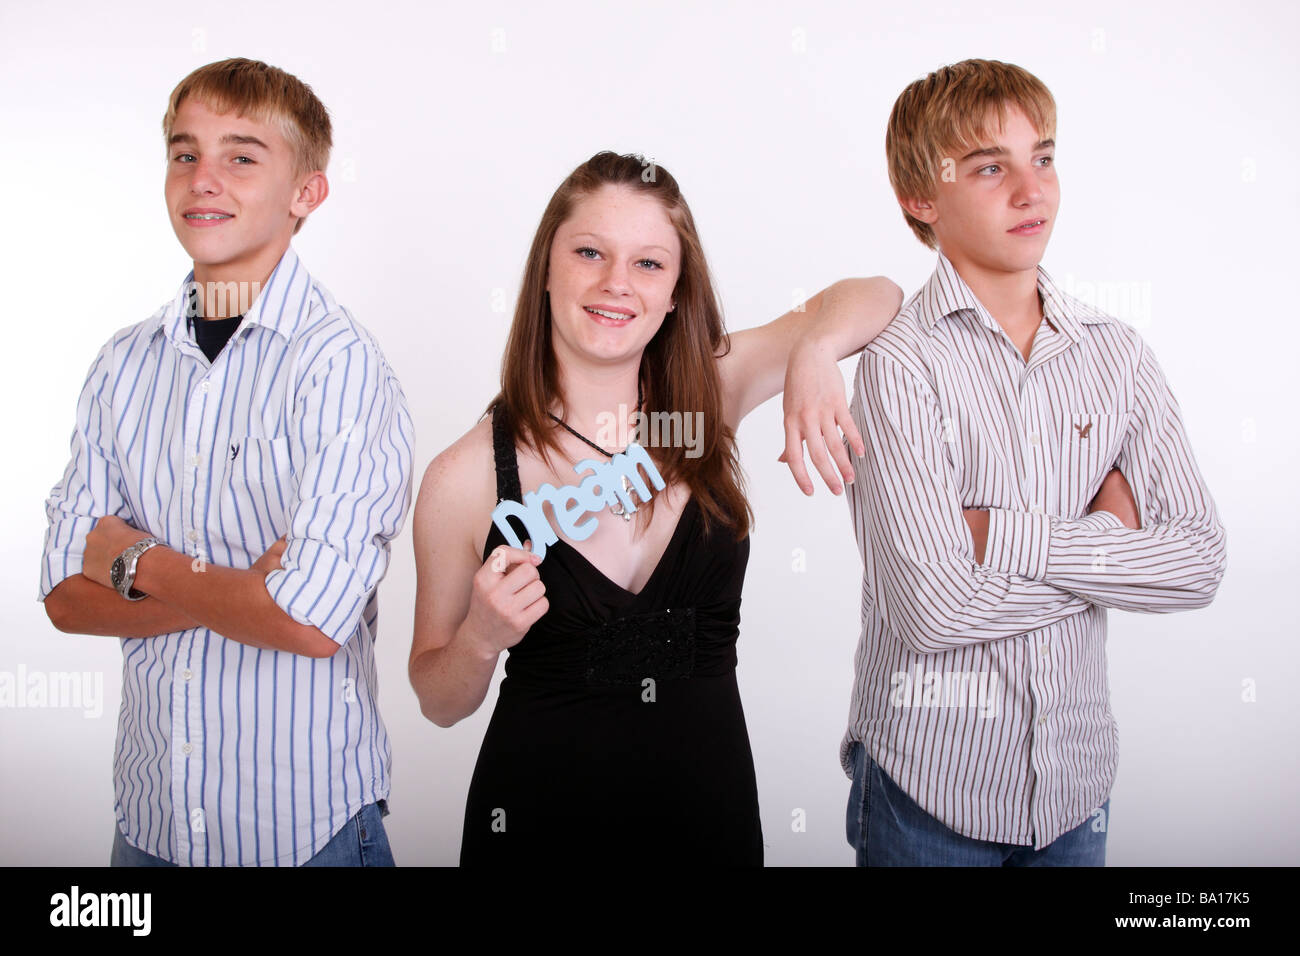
(618, 734)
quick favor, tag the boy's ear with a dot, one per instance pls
(922, 209)
(310, 195)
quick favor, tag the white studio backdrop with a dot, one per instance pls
(1177, 154)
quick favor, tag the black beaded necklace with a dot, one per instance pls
(627, 485)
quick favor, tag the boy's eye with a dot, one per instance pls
(247, 160)
(1046, 160)
(183, 157)
(988, 170)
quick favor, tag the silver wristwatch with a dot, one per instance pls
(123, 572)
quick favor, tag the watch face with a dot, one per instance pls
(118, 572)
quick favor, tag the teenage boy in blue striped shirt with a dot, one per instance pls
(240, 464)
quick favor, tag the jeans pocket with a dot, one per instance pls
(372, 838)
(855, 814)
(864, 817)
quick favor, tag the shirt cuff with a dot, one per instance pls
(1102, 520)
(317, 586)
(1017, 542)
(62, 560)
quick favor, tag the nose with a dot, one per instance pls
(204, 180)
(1027, 189)
(615, 280)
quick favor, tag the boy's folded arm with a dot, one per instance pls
(934, 595)
(1173, 562)
(78, 605)
(232, 602)
(352, 430)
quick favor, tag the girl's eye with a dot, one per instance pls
(248, 160)
(652, 263)
(585, 249)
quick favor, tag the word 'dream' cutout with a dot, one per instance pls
(572, 503)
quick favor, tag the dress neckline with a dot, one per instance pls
(659, 565)
(506, 461)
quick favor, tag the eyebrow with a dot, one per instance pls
(601, 238)
(1001, 151)
(228, 139)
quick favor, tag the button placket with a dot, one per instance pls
(1035, 464)
(187, 744)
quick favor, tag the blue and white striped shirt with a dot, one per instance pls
(229, 754)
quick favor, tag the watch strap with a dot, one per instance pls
(130, 558)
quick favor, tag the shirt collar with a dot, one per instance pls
(281, 305)
(946, 293)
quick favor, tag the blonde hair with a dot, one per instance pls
(265, 94)
(950, 110)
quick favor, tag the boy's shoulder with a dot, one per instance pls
(1101, 331)
(293, 304)
(325, 329)
(910, 342)
(128, 341)
(905, 340)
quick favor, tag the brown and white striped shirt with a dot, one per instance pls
(981, 688)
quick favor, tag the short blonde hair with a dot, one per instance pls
(266, 94)
(950, 110)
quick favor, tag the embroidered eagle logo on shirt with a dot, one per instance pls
(1084, 429)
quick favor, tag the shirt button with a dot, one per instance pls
(187, 674)
(1042, 650)
(196, 460)
(205, 385)
(187, 748)
(1036, 510)
(1033, 439)
(192, 535)
(1041, 721)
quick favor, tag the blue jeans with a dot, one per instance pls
(886, 828)
(361, 842)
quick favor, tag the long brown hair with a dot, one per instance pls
(678, 367)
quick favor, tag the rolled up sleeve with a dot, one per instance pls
(353, 433)
(91, 486)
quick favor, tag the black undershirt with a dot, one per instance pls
(213, 334)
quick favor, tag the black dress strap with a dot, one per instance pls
(507, 462)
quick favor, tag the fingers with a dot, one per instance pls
(515, 594)
(505, 557)
(793, 456)
(826, 437)
(844, 418)
(531, 603)
(817, 451)
(506, 573)
(831, 434)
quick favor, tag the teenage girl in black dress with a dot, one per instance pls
(618, 732)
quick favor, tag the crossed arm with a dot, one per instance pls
(1170, 557)
(305, 594)
(182, 594)
(937, 592)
